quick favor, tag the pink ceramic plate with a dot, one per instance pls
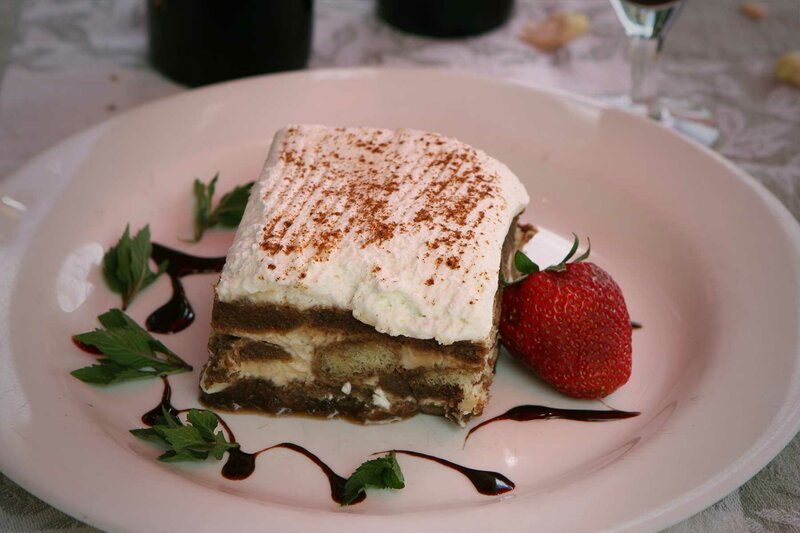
(708, 260)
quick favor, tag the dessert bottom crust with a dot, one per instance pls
(324, 401)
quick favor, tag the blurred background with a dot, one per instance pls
(68, 64)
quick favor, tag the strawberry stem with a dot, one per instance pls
(572, 250)
(526, 266)
(585, 254)
(562, 266)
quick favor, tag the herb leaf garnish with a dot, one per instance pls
(193, 441)
(381, 473)
(131, 352)
(126, 267)
(228, 212)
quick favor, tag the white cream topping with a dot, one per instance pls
(403, 228)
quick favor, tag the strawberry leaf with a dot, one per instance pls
(585, 254)
(575, 244)
(524, 263)
(562, 266)
(526, 266)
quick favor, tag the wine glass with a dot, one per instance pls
(646, 23)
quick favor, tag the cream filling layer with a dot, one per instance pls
(301, 344)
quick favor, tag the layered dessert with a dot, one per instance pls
(364, 278)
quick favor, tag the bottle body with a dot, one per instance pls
(196, 42)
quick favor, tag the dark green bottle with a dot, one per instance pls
(196, 42)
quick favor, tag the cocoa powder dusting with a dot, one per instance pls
(325, 197)
(452, 262)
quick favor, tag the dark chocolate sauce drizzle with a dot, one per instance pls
(635, 325)
(177, 314)
(485, 481)
(241, 464)
(524, 413)
(150, 418)
(336, 481)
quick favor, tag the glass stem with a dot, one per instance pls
(644, 73)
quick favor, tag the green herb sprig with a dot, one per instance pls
(228, 212)
(131, 353)
(193, 441)
(126, 266)
(381, 473)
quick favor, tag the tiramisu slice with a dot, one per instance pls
(364, 278)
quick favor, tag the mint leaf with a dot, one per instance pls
(111, 265)
(182, 437)
(205, 421)
(381, 473)
(228, 212)
(125, 346)
(221, 445)
(171, 456)
(131, 352)
(231, 206)
(107, 372)
(102, 373)
(193, 441)
(116, 318)
(126, 267)
(150, 435)
(167, 419)
(202, 206)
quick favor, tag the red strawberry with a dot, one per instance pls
(568, 324)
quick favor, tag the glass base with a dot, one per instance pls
(692, 120)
